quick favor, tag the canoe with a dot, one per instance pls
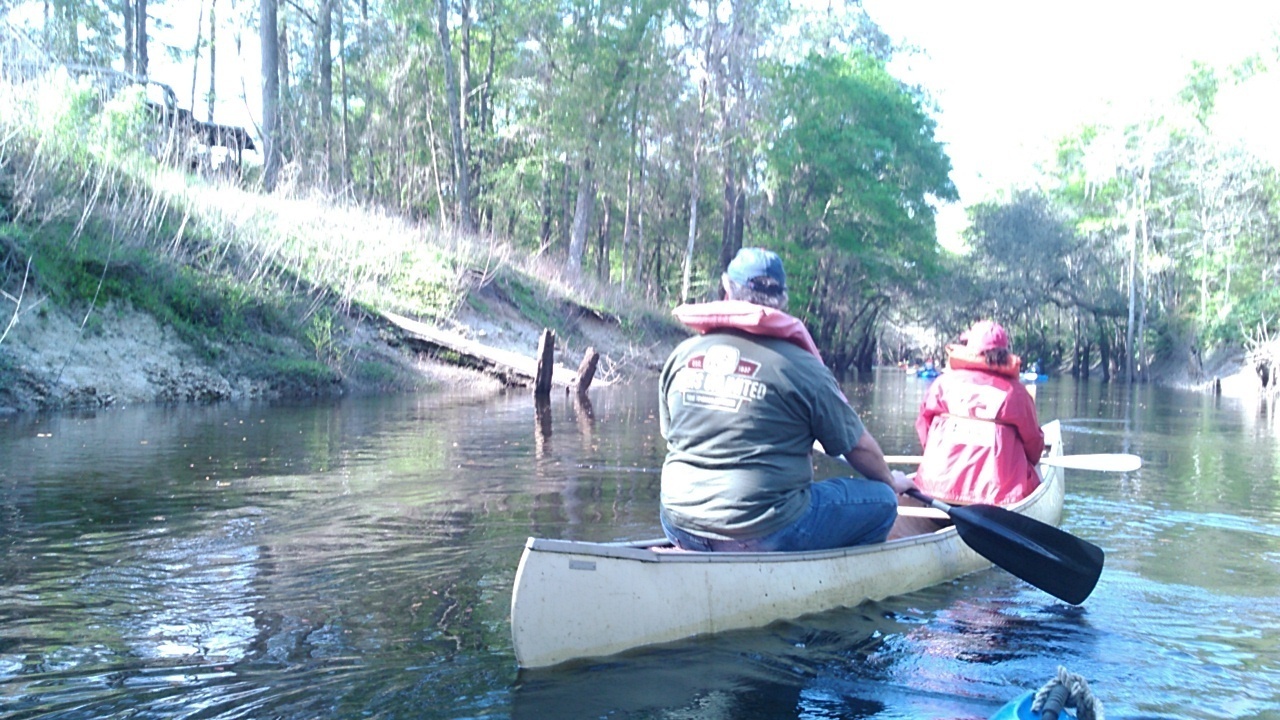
(576, 600)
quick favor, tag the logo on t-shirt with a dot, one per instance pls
(720, 379)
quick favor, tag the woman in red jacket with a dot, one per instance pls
(978, 424)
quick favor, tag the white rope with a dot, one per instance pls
(1079, 695)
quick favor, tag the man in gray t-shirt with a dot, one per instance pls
(740, 409)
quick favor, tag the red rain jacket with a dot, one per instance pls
(981, 438)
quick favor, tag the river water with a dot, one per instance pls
(355, 559)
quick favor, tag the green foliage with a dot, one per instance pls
(1254, 312)
(1201, 92)
(60, 116)
(1026, 254)
(324, 333)
(855, 165)
(118, 134)
(854, 168)
(205, 309)
(295, 376)
(530, 301)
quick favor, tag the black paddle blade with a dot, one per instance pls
(1053, 560)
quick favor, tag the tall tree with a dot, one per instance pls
(593, 55)
(212, 98)
(453, 100)
(854, 170)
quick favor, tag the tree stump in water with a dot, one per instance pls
(587, 370)
(546, 363)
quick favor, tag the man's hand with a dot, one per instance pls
(900, 482)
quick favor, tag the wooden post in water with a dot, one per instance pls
(546, 362)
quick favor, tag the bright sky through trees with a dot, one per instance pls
(1011, 77)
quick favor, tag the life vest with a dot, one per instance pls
(747, 317)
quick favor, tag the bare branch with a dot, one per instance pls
(17, 302)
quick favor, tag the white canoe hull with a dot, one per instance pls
(579, 599)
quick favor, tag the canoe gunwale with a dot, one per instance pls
(640, 550)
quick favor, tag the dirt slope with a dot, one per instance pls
(54, 360)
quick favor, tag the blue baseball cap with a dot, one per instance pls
(753, 262)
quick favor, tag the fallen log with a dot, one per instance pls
(513, 368)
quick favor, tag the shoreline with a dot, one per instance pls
(48, 364)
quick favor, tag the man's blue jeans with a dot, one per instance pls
(842, 512)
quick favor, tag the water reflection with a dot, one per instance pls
(355, 558)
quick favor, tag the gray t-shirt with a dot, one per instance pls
(740, 414)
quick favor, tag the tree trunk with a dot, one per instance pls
(566, 204)
(467, 113)
(1104, 351)
(126, 17)
(644, 149)
(602, 242)
(686, 271)
(195, 57)
(734, 205)
(212, 99)
(324, 38)
(485, 125)
(544, 238)
(285, 116)
(635, 164)
(435, 163)
(140, 36)
(626, 227)
(268, 34)
(582, 210)
(1129, 328)
(1144, 236)
(461, 180)
(345, 102)
(694, 195)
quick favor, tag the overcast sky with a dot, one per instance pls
(1013, 76)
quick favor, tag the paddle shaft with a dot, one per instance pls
(1101, 462)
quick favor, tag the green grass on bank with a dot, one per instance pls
(91, 213)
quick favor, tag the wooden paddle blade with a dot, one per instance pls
(1102, 462)
(903, 459)
(1053, 560)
